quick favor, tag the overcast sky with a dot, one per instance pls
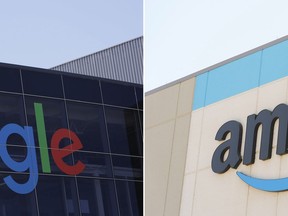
(48, 33)
(184, 36)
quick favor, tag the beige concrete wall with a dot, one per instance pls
(167, 122)
(206, 193)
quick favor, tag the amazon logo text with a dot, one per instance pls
(228, 154)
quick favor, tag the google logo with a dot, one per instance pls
(30, 162)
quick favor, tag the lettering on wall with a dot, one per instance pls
(228, 154)
(30, 162)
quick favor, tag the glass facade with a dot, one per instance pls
(106, 116)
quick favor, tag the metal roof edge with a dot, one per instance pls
(103, 50)
(249, 52)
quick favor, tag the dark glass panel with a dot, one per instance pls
(57, 196)
(130, 198)
(15, 204)
(97, 197)
(124, 131)
(44, 84)
(139, 93)
(95, 164)
(18, 154)
(118, 94)
(127, 167)
(12, 111)
(141, 120)
(54, 167)
(10, 80)
(87, 121)
(54, 117)
(82, 89)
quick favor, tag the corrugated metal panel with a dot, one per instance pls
(122, 62)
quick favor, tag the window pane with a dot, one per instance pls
(118, 94)
(141, 120)
(87, 121)
(139, 93)
(10, 80)
(17, 154)
(95, 164)
(97, 197)
(82, 89)
(130, 198)
(57, 196)
(44, 84)
(124, 131)
(54, 116)
(53, 166)
(127, 167)
(15, 204)
(12, 111)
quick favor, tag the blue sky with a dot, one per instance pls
(48, 33)
(185, 36)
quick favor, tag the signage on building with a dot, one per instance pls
(30, 162)
(228, 154)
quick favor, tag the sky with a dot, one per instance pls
(48, 33)
(185, 36)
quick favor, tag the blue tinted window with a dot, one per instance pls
(139, 94)
(68, 160)
(15, 204)
(127, 167)
(124, 131)
(58, 193)
(53, 112)
(97, 197)
(10, 80)
(118, 94)
(82, 89)
(130, 197)
(57, 196)
(45, 84)
(87, 121)
(12, 111)
(95, 164)
(18, 154)
(141, 121)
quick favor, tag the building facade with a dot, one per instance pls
(70, 144)
(216, 141)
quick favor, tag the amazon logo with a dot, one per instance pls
(228, 154)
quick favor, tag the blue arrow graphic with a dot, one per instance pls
(271, 185)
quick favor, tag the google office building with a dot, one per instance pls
(216, 142)
(71, 142)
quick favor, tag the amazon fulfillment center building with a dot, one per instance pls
(216, 141)
(71, 142)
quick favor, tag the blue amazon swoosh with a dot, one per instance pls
(271, 185)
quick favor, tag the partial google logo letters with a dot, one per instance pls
(30, 162)
(266, 118)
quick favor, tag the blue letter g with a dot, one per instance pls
(30, 161)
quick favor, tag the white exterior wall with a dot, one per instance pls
(231, 90)
(208, 193)
(167, 121)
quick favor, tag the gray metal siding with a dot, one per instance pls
(123, 62)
